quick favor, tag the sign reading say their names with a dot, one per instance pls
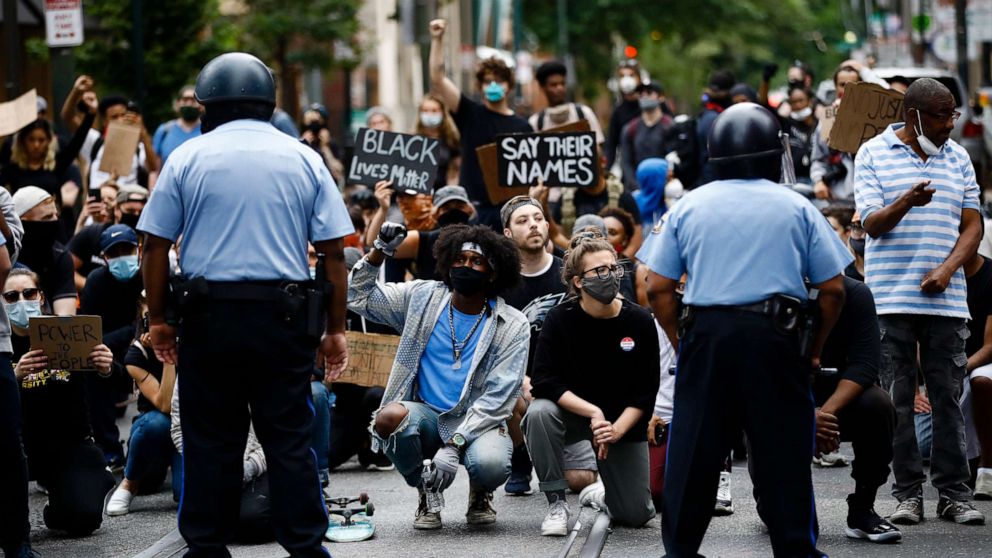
(568, 159)
(866, 111)
(66, 340)
(409, 161)
(370, 358)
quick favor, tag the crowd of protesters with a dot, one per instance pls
(509, 313)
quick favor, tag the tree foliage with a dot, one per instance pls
(179, 37)
(680, 42)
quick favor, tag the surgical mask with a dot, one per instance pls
(928, 147)
(452, 217)
(628, 84)
(130, 219)
(858, 245)
(602, 290)
(466, 280)
(189, 113)
(22, 311)
(123, 268)
(494, 92)
(648, 103)
(431, 119)
(801, 114)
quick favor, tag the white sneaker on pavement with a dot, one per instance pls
(120, 502)
(724, 500)
(593, 496)
(555, 523)
(832, 459)
(983, 484)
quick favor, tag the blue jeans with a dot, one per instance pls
(924, 434)
(487, 458)
(150, 451)
(322, 401)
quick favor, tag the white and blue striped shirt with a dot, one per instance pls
(896, 262)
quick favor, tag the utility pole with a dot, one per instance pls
(138, 49)
(961, 34)
(12, 48)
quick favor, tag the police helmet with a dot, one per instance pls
(235, 77)
(744, 131)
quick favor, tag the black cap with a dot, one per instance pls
(651, 86)
(233, 77)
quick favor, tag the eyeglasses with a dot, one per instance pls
(27, 294)
(943, 116)
(604, 271)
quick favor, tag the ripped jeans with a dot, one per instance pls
(941, 343)
(487, 458)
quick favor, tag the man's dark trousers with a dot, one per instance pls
(232, 355)
(735, 370)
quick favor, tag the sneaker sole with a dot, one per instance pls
(905, 520)
(983, 495)
(480, 520)
(890, 537)
(723, 510)
(516, 492)
(973, 520)
(426, 526)
(554, 532)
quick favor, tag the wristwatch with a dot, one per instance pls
(458, 442)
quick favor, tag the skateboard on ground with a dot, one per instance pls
(348, 522)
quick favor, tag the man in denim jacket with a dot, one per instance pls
(459, 364)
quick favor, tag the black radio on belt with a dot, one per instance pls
(318, 295)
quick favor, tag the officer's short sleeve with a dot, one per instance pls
(661, 252)
(164, 216)
(330, 217)
(826, 255)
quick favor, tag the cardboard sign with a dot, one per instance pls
(64, 22)
(370, 358)
(499, 193)
(119, 148)
(409, 161)
(826, 115)
(569, 159)
(66, 340)
(866, 111)
(18, 113)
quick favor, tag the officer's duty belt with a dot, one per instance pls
(765, 308)
(258, 291)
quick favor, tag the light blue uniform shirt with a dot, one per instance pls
(895, 263)
(744, 241)
(246, 198)
(439, 384)
(169, 136)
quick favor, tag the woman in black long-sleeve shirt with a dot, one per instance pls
(595, 377)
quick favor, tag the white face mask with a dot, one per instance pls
(801, 114)
(628, 84)
(431, 119)
(928, 147)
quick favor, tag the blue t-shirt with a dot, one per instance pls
(246, 198)
(171, 135)
(439, 384)
(744, 241)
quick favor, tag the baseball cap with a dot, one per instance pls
(651, 86)
(450, 193)
(27, 198)
(117, 234)
(132, 193)
(590, 220)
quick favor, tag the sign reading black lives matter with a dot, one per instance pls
(567, 159)
(409, 161)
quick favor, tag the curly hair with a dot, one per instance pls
(573, 259)
(622, 215)
(500, 251)
(497, 68)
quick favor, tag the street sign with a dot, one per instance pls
(64, 23)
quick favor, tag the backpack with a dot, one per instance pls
(614, 189)
(682, 139)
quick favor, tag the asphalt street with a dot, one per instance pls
(516, 533)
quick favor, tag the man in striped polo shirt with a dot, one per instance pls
(915, 189)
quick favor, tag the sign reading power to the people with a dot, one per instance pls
(567, 159)
(409, 161)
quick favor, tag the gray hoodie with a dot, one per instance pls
(14, 222)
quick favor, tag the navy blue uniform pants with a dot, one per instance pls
(735, 371)
(14, 527)
(232, 355)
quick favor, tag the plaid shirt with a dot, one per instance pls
(413, 308)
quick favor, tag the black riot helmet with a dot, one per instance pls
(745, 142)
(234, 86)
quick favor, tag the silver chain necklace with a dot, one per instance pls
(456, 345)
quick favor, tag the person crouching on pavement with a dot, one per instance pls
(596, 373)
(459, 365)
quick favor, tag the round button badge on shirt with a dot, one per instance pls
(627, 344)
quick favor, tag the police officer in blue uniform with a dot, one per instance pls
(746, 244)
(246, 199)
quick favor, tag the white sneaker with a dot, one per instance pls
(832, 459)
(120, 502)
(555, 524)
(593, 496)
(724, 500)
(983, 484)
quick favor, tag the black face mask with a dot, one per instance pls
(453, 217)
(314, 127)
(796, 84)
(467, 281)
(130, 220)
(858, 245)
(39, 237)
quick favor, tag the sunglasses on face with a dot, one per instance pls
(27, 294)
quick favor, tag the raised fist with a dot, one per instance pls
(391, 235)
(437, 27)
